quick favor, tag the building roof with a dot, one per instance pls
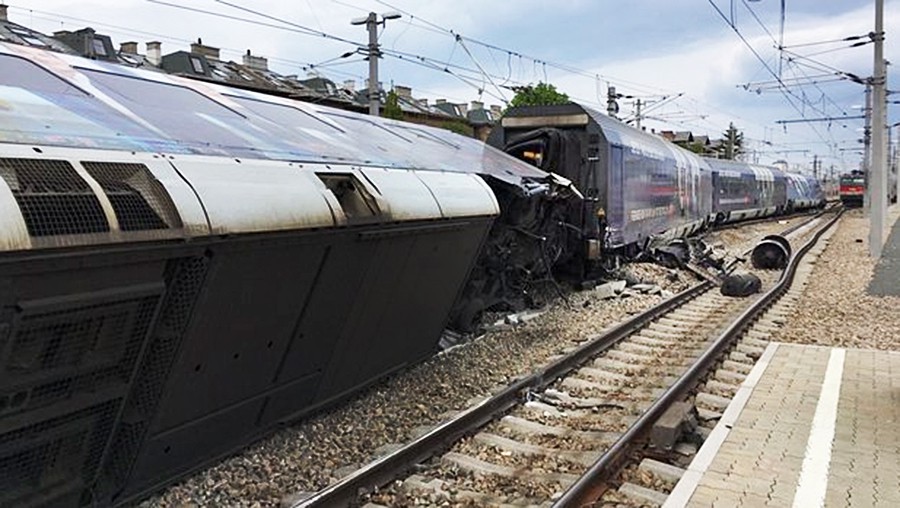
(480, 116)
(202, 62)
(18, 34)
(683, 137)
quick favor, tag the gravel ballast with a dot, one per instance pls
(836, 309)
(309, 455)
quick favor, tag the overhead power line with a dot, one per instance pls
(823, 119)
(786, 92)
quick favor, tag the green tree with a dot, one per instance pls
(392, 107)
(542, 94)
(732, 143)
(459, 127)
(698, 148)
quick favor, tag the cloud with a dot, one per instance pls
(644, 47)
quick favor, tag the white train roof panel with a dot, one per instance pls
(62, 100)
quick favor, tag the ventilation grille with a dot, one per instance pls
(185, 278)
(139, 200)
(55, 356)
(66, 365)
(49, 463)
(54, 200)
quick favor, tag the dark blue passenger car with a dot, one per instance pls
(743, 191)
(635, 185)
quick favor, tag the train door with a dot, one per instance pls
(716, 189)
(616, 193)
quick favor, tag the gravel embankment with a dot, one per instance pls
(312, 454)
(304, 457)
(835, 309)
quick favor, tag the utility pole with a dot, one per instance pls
(371, 21)
(878, 182)
(892, 166)
(732, 137)
(816, 166)
(867, 149)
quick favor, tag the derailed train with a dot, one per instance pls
(184, 266)
(631, 188)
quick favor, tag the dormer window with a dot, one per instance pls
(33, 41)
(99, 48)
(197, 65)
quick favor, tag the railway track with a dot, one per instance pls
(763, 220)
(650, 474)
(562, 435)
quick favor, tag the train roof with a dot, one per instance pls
(67, 101)
(615, 131)
(760, 172)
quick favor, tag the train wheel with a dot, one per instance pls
(470, 316)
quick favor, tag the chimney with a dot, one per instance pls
(476, 105)
(154, 53)
(440, 101)
(129, 48)
(259, 63)
(81, 41)
(496, 111)
(350, 85)
(463, 109)
(209, 52)
(3, 16)
(379, 86)
(403, 91)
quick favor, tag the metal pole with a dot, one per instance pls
(638, 115)
(879, 175)
(612, 107)
(374, 99)
(894, 164)
(867, 151)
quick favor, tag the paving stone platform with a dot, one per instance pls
(811, 426)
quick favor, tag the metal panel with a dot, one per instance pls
(408, 198)
(616, 198)
(544, 121)
(460, 195)
(13, 231)
(193, 217)
(251, 196)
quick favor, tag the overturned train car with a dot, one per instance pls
(184, 266)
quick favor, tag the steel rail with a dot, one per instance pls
(590, 486)
(383, 470)
(790, 229)
(760, 220)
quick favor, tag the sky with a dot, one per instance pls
(682, 59)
